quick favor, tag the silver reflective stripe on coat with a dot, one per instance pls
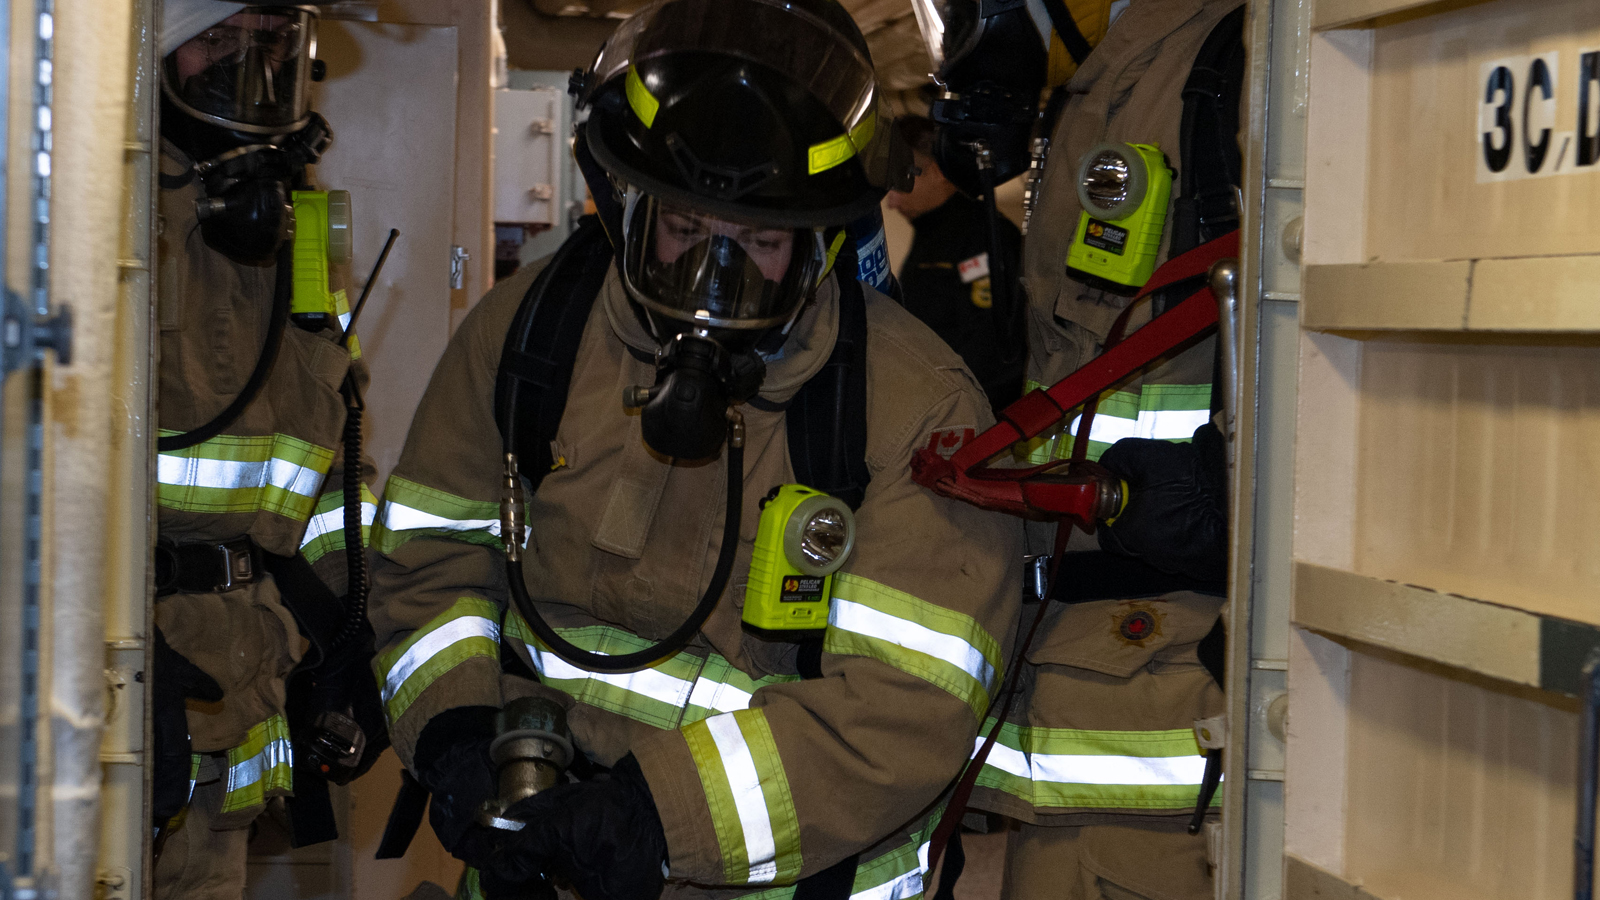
(745, 783)
(333, 520)
(234, 474)
(865, 620)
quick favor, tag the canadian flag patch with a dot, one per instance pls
(946, 441)
(974, 268)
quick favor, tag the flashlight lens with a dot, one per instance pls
(1106, 179)
(823, 537)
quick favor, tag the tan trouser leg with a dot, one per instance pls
(1155, 861)
(197, 863)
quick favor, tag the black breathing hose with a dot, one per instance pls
(282, 294)
(677, 640)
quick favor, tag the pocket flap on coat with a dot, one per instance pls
(1119, 637)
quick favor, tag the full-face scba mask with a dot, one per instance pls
(715, 293)
(235, 84)
(249, 72)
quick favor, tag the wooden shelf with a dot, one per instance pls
(1473, 635)
(1307, 881)
(1347, 13)
(1530, 295)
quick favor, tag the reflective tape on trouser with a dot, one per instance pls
(411, 510)
(897, 875)
(1067, 768)
(939, 645)
(1166, 412)
(325, 532)
(747, 791)
(261, 767)
(194, 777)
(674, 692)
(469, 628)
(230, 474)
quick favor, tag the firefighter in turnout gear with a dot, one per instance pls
(1116, 733)
(573, 520)
(256, 655)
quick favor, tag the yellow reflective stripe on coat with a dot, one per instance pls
(411, 510)
(752, 810)
(325, 532)
(230, 474)
(942, 646)
(1163, 412)
(1071, 768)
(261, 767)
(468, 629)
(676, 691)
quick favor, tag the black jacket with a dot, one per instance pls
(946, 285)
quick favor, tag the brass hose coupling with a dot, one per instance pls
(511, 509)
(530, 752)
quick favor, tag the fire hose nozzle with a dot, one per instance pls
(530, 754)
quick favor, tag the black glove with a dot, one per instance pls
(173, 679)
(603, 837)
(1176, 518)
(452, 762)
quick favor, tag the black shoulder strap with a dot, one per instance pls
(541, 347)
(1207, 202)
(1067, 29)
(827, 419)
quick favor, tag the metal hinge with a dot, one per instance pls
(458, 267)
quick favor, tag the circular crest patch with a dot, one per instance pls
(1137, 625)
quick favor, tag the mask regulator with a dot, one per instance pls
(804, 537)
(1124, 189)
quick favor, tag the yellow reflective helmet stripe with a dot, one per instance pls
(834, 151)
(644, 105)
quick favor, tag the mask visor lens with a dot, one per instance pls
(696, 267)
(251, 69)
